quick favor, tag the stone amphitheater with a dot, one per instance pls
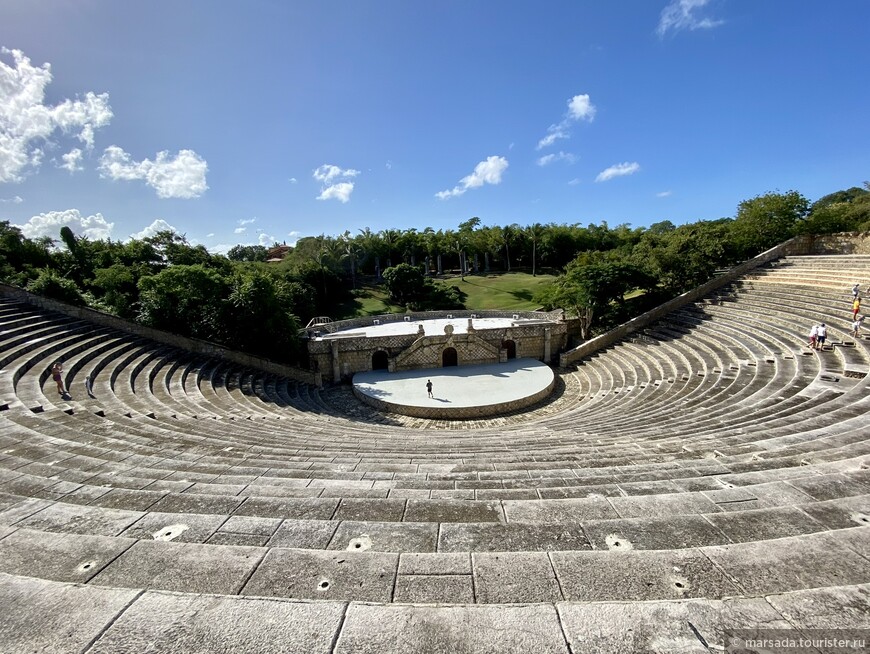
(703, 475)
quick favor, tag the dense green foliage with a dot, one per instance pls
(409, 286)
(243, 302)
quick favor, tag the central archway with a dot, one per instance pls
(511, 348)
(449, 357)
(380, 361)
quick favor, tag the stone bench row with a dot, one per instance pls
(813, 560)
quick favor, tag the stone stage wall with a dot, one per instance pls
(338, 358)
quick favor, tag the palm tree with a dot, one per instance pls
(534, 233)
(351, 250)
(371, 247)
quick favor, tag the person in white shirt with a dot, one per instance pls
(821, 336)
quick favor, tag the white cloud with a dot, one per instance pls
(389, 165)
(575, 182)
(247, 221)
(559, 156)
(488, 171)
(265, 240)
(72, 160)
(158, 225)
(663, 194)
(682, 15)
(335, 182)
(554, 133)
(618, 170)
(293, 180)
(327, 173)
(294, 237)
(580, 107)
(182, 176)
(221, 248)
(209, 235)
(26, 121)
(340, 192)
(15, 199)
(240, 230)
(48, 224)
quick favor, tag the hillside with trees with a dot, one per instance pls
(245, 301)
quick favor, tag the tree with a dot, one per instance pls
(260, 318)
(842, 211)
(679, 259)
(586, 290)
(247, 253)
(49, 284)
(185, 299)
(351, 252)
(120, 292)
(20, 257)
(405, 283)
(767, 220)
(534, 232)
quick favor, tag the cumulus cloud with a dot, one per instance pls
(266, 240)
(247, 221)
(181, 176)
(26, 122)
(488, 171)
(547, 159)
(327, 173)
(580, 107)
(94, 227)
(618, 170)
(335, 182)
(294, 236)
(15, 199)
(663, 194)
(340, 192)
(72, 160)
(684, 15)
(209, 235)
(158, 225)
(240, 230)
(293, 180)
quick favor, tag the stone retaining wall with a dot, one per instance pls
(842, 243)
(190, 344)
(619, 333)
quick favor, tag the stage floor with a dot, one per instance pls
(459, 392)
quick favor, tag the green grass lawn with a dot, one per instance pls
(509, 291)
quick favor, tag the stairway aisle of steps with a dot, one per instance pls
(709, 473)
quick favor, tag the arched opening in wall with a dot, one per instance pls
(511, 348)
(449, 357)
(380, 361)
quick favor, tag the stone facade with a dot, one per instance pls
(843, 243)
(339, 357)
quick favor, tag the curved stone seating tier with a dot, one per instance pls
(707, 471)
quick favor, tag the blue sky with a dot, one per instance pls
(265, 120)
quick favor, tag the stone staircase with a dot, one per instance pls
(710, 473)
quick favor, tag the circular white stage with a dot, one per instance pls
(458, 392)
